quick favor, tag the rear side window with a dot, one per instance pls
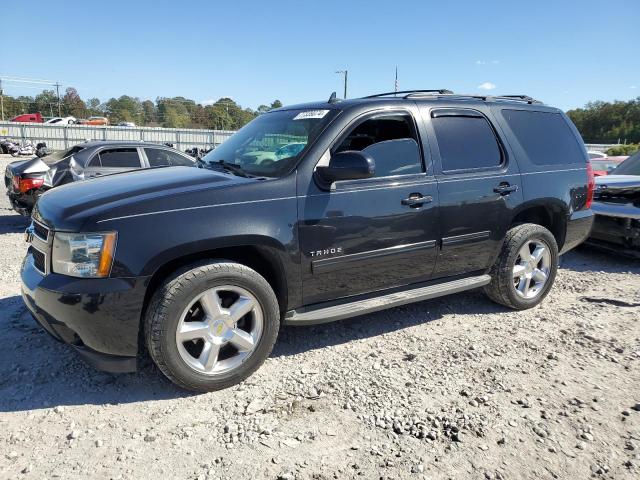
(466, 142)
(119, 158)
(164, 158)
(545, 137)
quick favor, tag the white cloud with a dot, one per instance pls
(495, 62)
(480, 62)
(487, 86)
(633, 87)
(486, 62)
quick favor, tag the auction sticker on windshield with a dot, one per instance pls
(311, 114)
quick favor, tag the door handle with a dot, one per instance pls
(416, 200)
(505, 188)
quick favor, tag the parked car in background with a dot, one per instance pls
(61, 121)
(384, 201)
(593, 155)
(28, 179)
(95, 121)
(617, 208)
(28, 118)
(126, 124)
(604, 166)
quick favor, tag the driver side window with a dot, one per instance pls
(391, 140)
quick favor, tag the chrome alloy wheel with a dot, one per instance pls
(219, 329)
(531, 269)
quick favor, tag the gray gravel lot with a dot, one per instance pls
(450, 388)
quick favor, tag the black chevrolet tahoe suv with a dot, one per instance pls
(308, 214)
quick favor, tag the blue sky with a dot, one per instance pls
(564, 52)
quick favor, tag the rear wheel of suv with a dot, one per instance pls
(526, 267)
(211, 325)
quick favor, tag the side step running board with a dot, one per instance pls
(361, 307)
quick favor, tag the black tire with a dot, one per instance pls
(502, 289)
(175, 294)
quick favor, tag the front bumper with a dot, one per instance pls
(579, 226)
(100, 318)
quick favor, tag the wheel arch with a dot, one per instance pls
(263, 257)
(550, 214)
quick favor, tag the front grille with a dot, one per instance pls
(39, 259)
(41, 231)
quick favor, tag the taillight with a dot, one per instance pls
(23, 185)
(591, 185)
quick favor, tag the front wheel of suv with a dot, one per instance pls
(525, 269)
(211, 325)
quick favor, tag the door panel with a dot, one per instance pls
(360, 237)
(476, 199)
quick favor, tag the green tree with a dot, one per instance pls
(608, 122)
(149, 113)
(94, 108)
(124, 109)
(276, 104)
(46, 103)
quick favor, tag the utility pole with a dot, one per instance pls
(1, 100)
(58, 93)
(345, 73)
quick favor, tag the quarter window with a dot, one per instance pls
(119, 158)
(391, 140)
(466, 142)
(545, 137)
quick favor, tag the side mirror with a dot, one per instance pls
(348, 165)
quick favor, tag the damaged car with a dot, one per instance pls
(27, 180)
(617, 208)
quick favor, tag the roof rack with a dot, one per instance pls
(484, 98)
(448, 93)
(407, 93)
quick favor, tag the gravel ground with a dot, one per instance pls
(450, 388)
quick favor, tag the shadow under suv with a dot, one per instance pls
(384, 200)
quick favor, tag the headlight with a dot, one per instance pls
(83, 254)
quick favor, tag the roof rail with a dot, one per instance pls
(484, 98)
(407, 93)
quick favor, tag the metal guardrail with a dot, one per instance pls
(60, 137)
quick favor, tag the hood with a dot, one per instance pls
(67, 207)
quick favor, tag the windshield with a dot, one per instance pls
(272, 143)
(631, 166)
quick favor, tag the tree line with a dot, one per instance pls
(597, 122)
(175, 112)
(608, 122)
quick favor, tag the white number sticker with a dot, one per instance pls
(311, 114)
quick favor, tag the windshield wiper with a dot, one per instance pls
(231, 167)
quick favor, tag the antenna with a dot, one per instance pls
(333, 98)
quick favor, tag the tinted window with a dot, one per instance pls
(165, 158)
(466, 143)
(119, 158)
(631, 166)
(546, 137)
(391, 140)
